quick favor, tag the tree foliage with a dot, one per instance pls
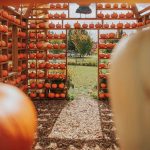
(80, 41)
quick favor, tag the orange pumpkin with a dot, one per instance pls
(98, 25)
(114, 15)
(139, 24)
(51, 95)
(129, 15)
(108, 5)
(42, 25)
(102, 46)
(32, 74)
(113, 26)
(40, 35)
(31, 45)
(50, 16)
(99, 6)
(32, 56)
(134, 25)
(32, 35)
(120, 25)
(32, 25)
(63, 45)
(115, 6)
(62, 35)
(123, 5)
(85, 26)
(122, 16)
(101, 95)
(40, 85)
(51, 25)
(62, 95)
(127, 25)
(49, 46)
(63, 15)
(65, 5)
(77, 25)
(91, 25)
(39, 45)
(56, 15)
(41, 75)
(32, 85)
(55, 46)
(67, 26)
(52, 5)
(58, 5)
(111, 35)
(33, 95)
(61, 86)
(57, 95)
(58, 26)
(4, 73)
(48, 85)
(17, 120)
(54, 86)
(39, 55)
(107, 16)
(103, 36)
(56, 36)
(41, 95)
(42, 65)
(100, 15)
(50, 36)
(106, 25)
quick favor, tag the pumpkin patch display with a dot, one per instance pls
(41, 43)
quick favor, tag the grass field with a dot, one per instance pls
(92, 59)
(84, 79)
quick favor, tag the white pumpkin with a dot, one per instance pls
(129, 86)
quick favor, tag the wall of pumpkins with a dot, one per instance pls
(33, 56)
(13, 50)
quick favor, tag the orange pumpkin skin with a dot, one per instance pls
(17, 119)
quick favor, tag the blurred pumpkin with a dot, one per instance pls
(17, 119)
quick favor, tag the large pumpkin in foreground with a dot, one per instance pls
(17, 119)
(130, 91)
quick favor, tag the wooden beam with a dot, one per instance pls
(27, 14)
(135, 11)
(12, 11)
(144, 10)
(14, 2)
(15, 48)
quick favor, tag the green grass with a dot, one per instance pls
(84, 79)
(92, 59)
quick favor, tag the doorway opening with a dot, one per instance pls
(82, 57)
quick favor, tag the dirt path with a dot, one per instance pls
(83, 124)
(78, 120)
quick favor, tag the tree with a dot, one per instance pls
(82, 41)
(71, 45)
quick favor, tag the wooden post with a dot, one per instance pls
(14, 48)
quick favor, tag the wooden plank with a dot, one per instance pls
(144, 10)
(27, 14)
(82, 19)
(135, 11)
(14, 2)
(14, 48)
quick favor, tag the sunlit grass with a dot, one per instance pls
(84, 79)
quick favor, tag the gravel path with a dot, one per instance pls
(84, 114)
(78, 120)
